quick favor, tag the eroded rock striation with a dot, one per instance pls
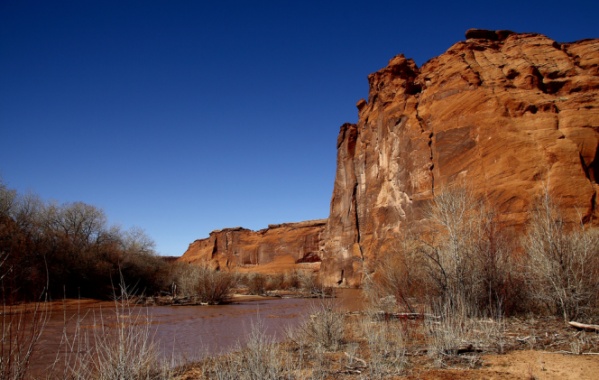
(508, 113)
(278, 248)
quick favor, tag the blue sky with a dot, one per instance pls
(182, 117)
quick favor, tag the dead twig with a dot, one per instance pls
(582, 326)
(361, 361)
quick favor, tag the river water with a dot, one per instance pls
(182, 333)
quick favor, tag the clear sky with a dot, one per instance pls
(182, 117)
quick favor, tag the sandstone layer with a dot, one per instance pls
(509, 114)
(278, 248)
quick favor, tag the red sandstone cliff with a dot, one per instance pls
(277, 248)
(507, 113)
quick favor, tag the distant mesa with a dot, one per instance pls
(276, 249)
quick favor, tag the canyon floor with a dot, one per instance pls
(528, 347)
(513, 348)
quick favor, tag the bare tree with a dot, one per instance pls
(78, 222)
(7, 200)
(136, 241)
(467, 259)
(563, 261)
(460, 261)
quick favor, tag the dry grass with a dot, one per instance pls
(385, 346)
(261, 358)
(377, 346)
(455, 336)
(21, 329)
(325, 326)
(331, 345)
(120, 345)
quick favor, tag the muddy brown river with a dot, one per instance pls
(182, 333)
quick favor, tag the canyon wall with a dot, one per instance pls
(278, 248)
(508, 114)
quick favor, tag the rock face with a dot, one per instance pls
(277, 248)
(507, 113)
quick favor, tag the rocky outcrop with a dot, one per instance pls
(507, 113)
(278, 248)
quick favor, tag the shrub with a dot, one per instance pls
(292, 280)
(386, 347)
(325, 325)
(256, 283)
(461, 336)
(460, 260)
(121, 347)
(184, 277)
(261, 358)
(21, 328)
(397, 281)
(562, 262)
(205, 284)
(214, 286)
(275, 282)
(469, 263)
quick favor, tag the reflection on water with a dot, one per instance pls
(181, 332)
